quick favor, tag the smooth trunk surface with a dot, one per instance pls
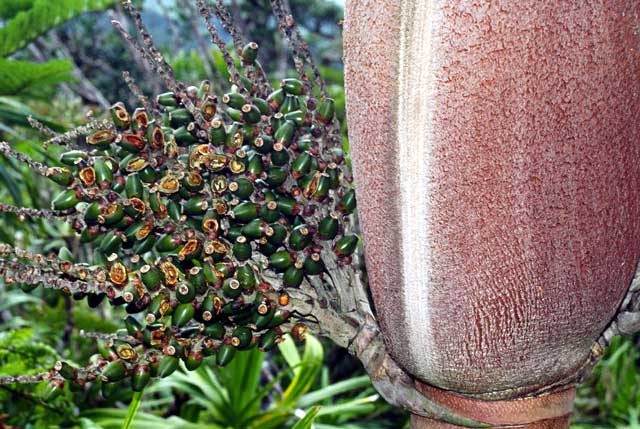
(496, 151)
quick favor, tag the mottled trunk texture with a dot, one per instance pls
(496, 149)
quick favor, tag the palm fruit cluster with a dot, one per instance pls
(201, 216)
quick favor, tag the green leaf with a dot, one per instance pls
(16, 77)
(307, 421)
(13, 112)
(42, 17)
(333, 390)
(9, 8)
(133, 409)
(305, 371)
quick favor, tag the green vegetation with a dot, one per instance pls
(318, 387)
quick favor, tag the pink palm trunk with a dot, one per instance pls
(496, 153)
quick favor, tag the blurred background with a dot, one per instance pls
(61, 61)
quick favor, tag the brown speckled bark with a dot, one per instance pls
(495, 149)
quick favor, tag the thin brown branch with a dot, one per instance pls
(50, 215)
(70, 137)
(150, 106)
(42, 128)
(163, 68)
(206, 13)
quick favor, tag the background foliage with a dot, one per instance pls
(61, 62)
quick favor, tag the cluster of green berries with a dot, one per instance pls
(200, 221)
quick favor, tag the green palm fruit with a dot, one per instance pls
(346, 245)
(268, 340)
(255, 229)
(263, 320)
(266, 248)
(255, 167)
(193, 360)
(234, 100)
(185, 293)
(276, 176)
(313, 264)
(263, 144)
(301, 165)
(174, 210)
(182, 314)
(197, 279)
(225, 354)
(299, 237)
(278, 234)
(168, 243)
(168, 365)
(183, 136)
(246, 276)
(276, 98)
(111, 214)
(157, 308)
(132, 142)
(347, 203)
(279, 317)
(120, 116)
(245, 212)
(66, 371)
(195, 206)
(167, 99)
(241, 337)
(101, 139)
(133, 325)
(277, 120)
(328, 227)
(215, 331)
(103, 172)
(180, 117)
(288, 206)
(297, 117)
(65, 200)
(251, 114)
(290, 104)
(304, 145)
(250, 53)
(334, 176)
(292, 86)
(144, 245)
(140, 377)
(280, 260)
(280, 155)
(242, 248)
(111, 242)
(73, 157)
(293, 276)
(114, 371)
(262, 105)
(285, 132)
(269, 212)
(242, 188)
(231, 288)
(326, 110)
(217, 132)
(60, 175)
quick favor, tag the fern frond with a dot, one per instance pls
(17, 77)
(10, 8)
(42, 17)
